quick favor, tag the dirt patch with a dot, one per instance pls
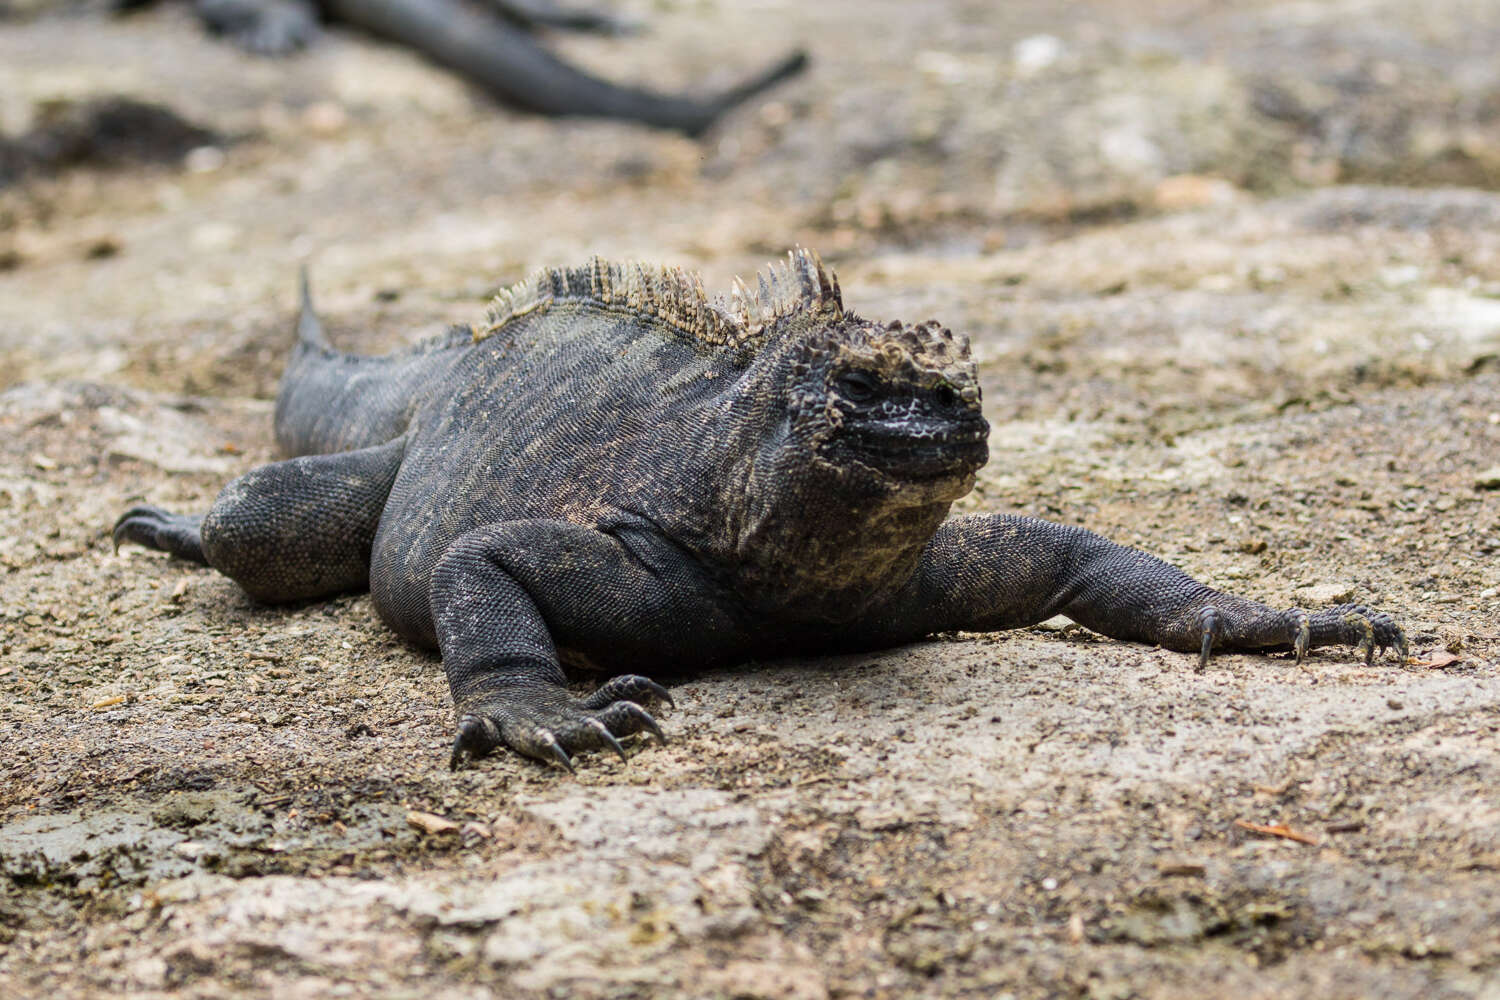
(1197, 334)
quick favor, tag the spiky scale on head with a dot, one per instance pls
(925, 355)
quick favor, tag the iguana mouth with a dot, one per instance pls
(920, 450)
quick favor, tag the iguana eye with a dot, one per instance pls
(857, 387)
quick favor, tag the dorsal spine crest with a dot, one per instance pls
(799, 286)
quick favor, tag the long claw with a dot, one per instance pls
(607, 737)
(559, 754)
(154, 528)
(470, 728)
(657, 691)
(1367, 641)
(1208, 620)
(122, 524)
(1304, 638)
(644, 718)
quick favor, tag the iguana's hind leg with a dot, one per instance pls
(288, 531)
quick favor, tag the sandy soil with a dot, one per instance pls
(1233, 275)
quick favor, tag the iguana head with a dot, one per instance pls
(888, 410)
(854, 439)
(893, 409)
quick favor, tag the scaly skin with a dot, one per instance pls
(616, 471)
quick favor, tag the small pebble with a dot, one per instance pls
(1322, 594)
(325, 117)
(203, 160)
(431, 824)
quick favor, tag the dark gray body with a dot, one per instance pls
(615, 472)
(503, 439)
(531, 425)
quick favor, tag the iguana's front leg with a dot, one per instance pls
(505, 596)
(989, 572)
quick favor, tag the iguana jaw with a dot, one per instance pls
(915, 450)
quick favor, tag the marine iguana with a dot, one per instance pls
(616, 471)
(490, 47)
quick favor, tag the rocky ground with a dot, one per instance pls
(1232, 272)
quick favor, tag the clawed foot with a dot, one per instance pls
(1348, 624)
(179, 534)
(547, 723)
(1356, 625)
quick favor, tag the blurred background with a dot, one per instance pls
(929, 137)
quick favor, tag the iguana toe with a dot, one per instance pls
(1210, 626)
(632, 718)
(476, 737)
(1364, 640)
(608, 737)
(1303, 642)
(629, 687)
(179, 534)
(138, 525)
(1388, 635)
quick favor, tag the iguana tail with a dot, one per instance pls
(505, 61)
(309, 327)
(331, 402)
(788, 67)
